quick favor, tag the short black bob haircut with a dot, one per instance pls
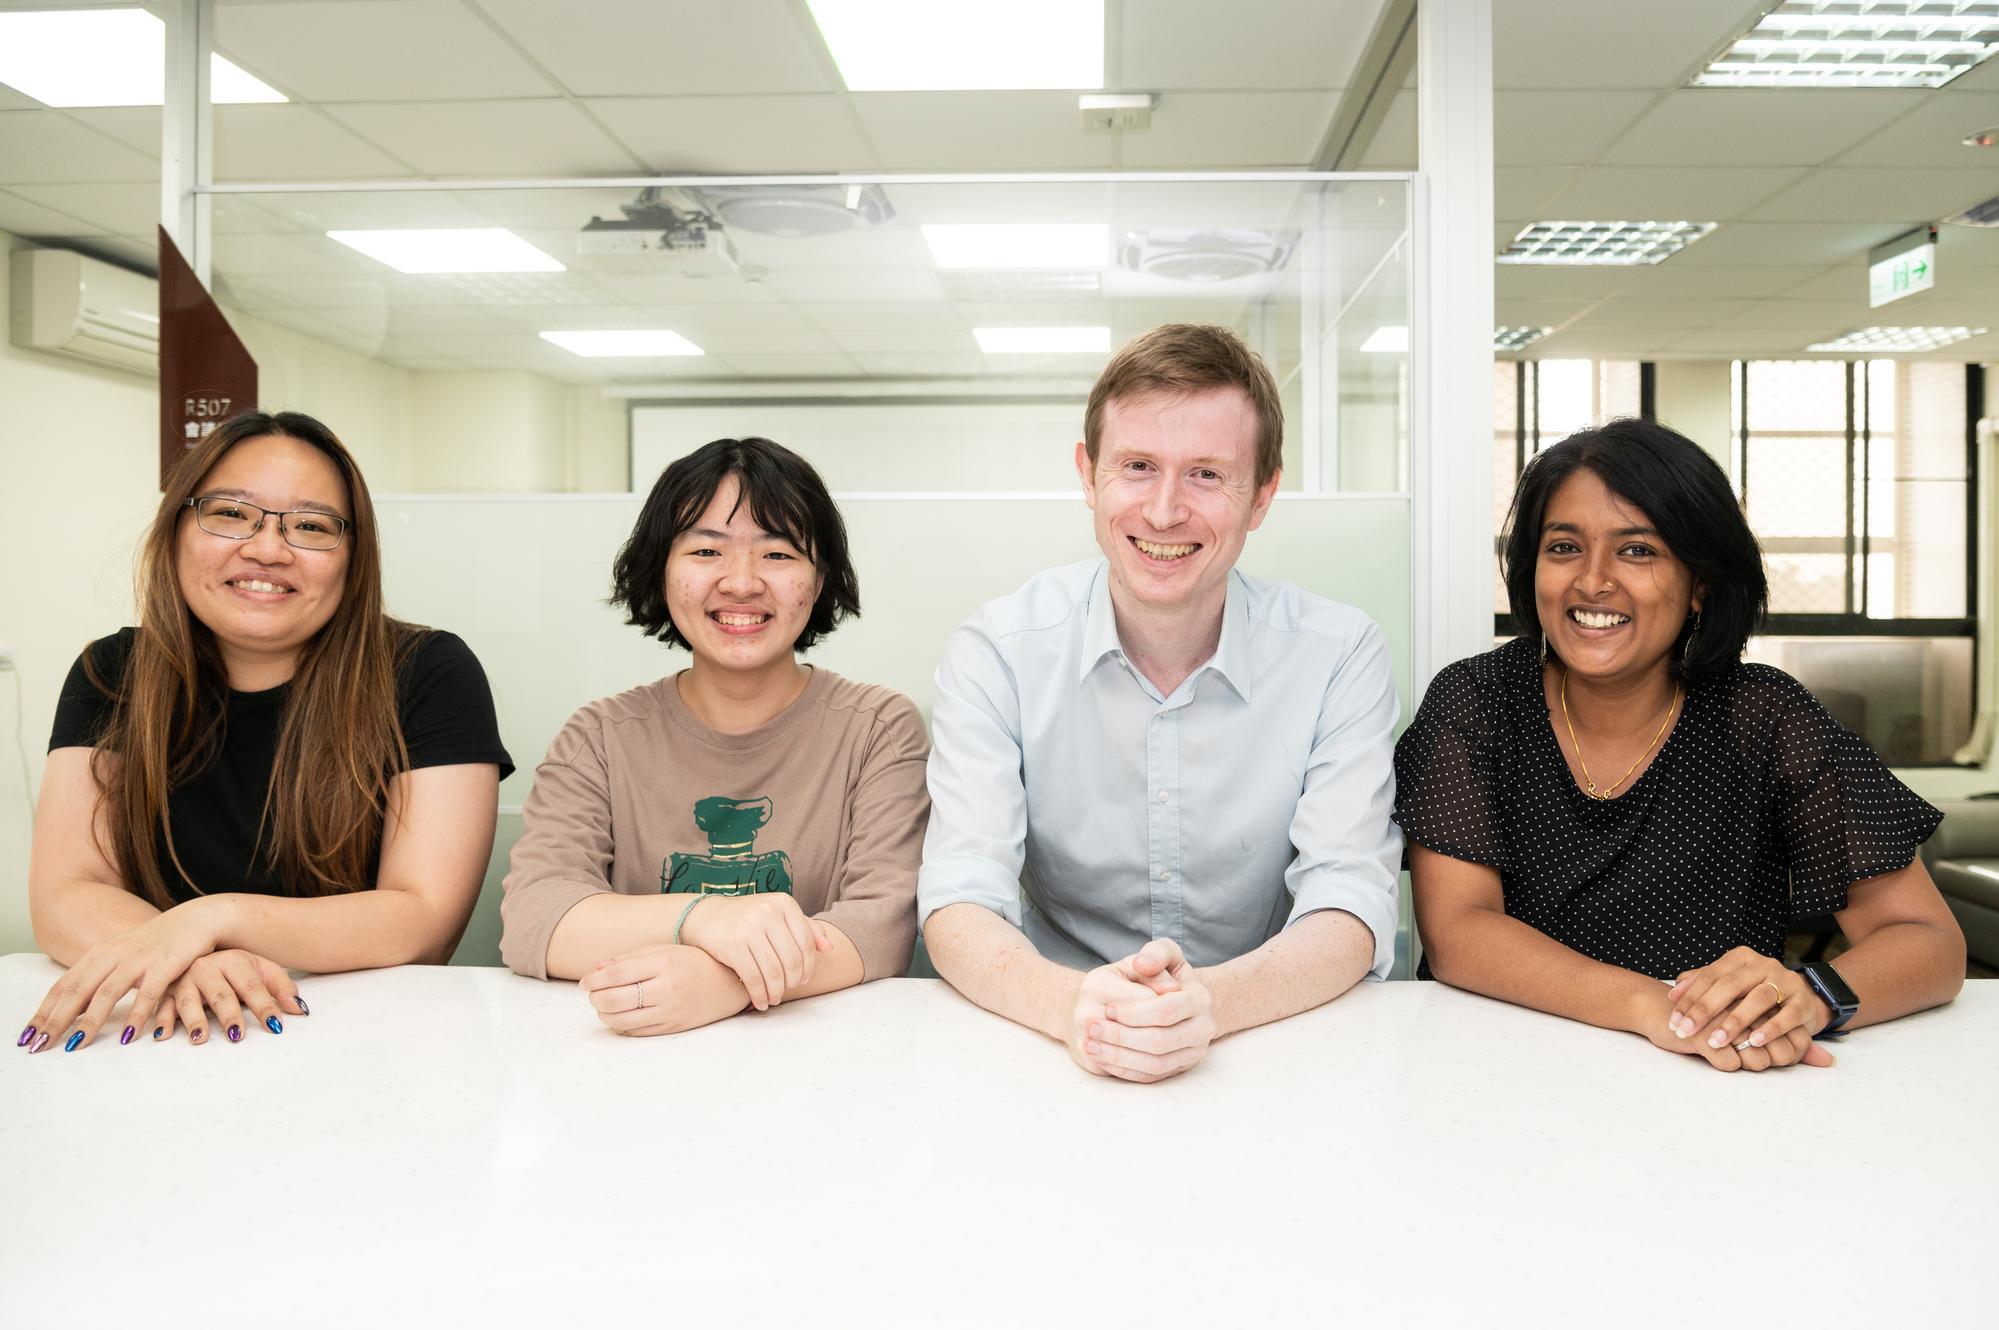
(786, 498)
(1684, 491)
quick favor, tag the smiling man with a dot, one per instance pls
(1161, 789)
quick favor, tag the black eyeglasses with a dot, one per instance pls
(233, 519)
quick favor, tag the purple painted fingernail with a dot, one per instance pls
(41, 1043)
(27, 1037)
(235, 1034)
(126, 1037)
(196, 1036)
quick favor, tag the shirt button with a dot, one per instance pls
(1165, 873)
(1162, 796)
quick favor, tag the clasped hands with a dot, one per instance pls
(734, 952)
(1743, 1012)
(1144, 1018)
(171, 967)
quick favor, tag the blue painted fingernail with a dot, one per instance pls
(74, 1040)
(27, 1037)
(126, 1037)
(160, 1033)
(274, 1025)
(235, 1034)
(303, 1010)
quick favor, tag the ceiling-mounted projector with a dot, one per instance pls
(798, 210)
(1206, 256)
(673, 227)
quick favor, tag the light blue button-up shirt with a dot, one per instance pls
(1072, 799)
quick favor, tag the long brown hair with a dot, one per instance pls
(322, 820)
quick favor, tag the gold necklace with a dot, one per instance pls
(1590, 784)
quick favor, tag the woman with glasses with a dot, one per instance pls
(1614, 818)
(268, 772)
(749, 829)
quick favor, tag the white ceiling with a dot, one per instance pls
(1592, 121)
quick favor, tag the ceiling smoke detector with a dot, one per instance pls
(1206, 256)
(798, 210)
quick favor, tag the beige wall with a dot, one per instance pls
(1692, 396)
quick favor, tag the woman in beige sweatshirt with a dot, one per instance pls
(746, 830)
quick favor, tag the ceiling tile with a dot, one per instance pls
(1695, 194)
(11, 100)
(1559, 128)
(1537, 313)
(891, 246)
(1521, 283)
(1828, 317)
(1170, 44)
(737, 135)
(1982, 78)
(489, 139)
(21, 217)
(293, 143)
(1967, 247)
(820, 284)
(639, 48)
(1743, 341)
(1625, 43)
(1523, 194)
(137, 127)
(908, 341)
(1860, 194)
(377, 50)
(39, 147)
(911, 365)
(1815, 244)
(121, 209)
(1933, 135)
(1672, 280)
(785, 366)
(1624, 313)
(1231, 129)
(1839, 282)
(1757, 126)
(986, 131)
(898, 319)
(1605, 341)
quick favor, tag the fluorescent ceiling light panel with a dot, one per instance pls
(1516, 339)
(1870, 44)
(104, 57)
(1389, 338)
(1020, 341)
(1897, 339)
(936, 46)
(480, 249)
(1601, 244)
(632, 343)
(1026, 245)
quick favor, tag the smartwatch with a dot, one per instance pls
(1832, 991)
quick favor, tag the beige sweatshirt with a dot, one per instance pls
(636, 795)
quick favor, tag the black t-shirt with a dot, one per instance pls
(447, 718)
(1759, 809)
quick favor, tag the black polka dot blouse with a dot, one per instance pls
(1760, 808)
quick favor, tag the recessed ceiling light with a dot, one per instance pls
(1877, 44)
(1599, 244)
(923, 46)
(480, 249)
(1984, 138)
(1006, 245)
(104, 57)
(1516, 339)
(1897, 339)
(1389, 338)
(1020, 341)
(629, 342)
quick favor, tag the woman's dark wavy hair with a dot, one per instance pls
(786, 498)
(1685, 493)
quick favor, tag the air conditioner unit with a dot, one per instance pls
(73, 305)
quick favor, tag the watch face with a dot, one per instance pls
(1836, 990)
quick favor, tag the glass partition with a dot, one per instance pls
(908, 334)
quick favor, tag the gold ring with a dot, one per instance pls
(1774, 989)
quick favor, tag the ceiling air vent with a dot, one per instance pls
(1978, 214)
(1206, 256)
(798, 210)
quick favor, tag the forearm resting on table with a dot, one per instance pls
(1487, 951)
(359, 930)
(1308, 964)
(609, 924)
(70, 918)
(1907, 952)
(991, 962)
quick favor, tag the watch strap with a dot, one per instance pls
(1842, 1012)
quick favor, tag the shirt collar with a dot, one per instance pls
(1231, 658)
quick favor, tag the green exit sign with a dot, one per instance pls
(1902, 267)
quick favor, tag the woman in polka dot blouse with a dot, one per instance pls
(1614, 799)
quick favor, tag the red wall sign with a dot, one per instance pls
(206, 373)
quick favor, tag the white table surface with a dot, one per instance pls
(467, 1146)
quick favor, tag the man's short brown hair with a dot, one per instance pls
(1180, 358)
